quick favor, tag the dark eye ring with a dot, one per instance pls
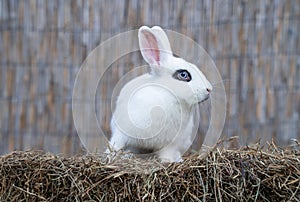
(182, 75)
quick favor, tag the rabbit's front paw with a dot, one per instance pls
(170, 155)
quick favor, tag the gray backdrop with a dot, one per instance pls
(255, 45)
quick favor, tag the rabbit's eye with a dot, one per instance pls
(182, 75)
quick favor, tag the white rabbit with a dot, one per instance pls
(154, 111)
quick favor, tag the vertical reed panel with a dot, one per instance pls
(256, 47)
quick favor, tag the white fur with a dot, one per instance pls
(154, 111)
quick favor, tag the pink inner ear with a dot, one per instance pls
(151, 49)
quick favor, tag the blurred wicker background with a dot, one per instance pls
(255, 45)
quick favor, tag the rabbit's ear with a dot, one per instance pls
(154, 45)
(159, 32)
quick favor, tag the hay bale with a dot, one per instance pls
(245, 174)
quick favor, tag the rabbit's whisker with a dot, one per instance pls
(217, 101)
(219, 87)
(222, 81)
(217, 95)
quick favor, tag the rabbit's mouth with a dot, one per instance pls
(206, 98)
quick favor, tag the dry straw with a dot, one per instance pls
(253, 174)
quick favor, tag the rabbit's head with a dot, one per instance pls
(184, 79)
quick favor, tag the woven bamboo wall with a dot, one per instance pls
(255, 45)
